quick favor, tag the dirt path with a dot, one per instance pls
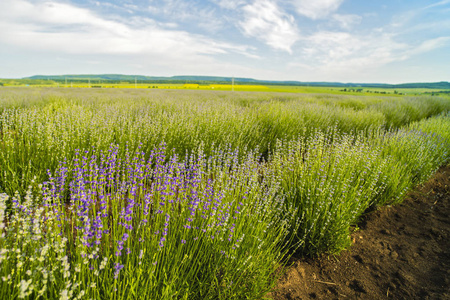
(401, 252)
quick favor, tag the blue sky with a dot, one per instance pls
(391, 41)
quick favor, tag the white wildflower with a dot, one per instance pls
(3, 198)
(45, 274)
(103, 263)
(44, 250)
(64, 295)
(81, 294)
(2, 255)
(23, 288)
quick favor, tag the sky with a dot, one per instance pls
(382, 41)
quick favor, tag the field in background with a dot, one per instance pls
(226, 87)
(189, 194)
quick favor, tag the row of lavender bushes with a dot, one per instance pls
(41, 127)
(125, 224)
(332, 179)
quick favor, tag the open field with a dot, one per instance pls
(105, 84)
(190, 194)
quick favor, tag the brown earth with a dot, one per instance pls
(400, 252)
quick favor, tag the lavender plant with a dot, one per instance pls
(331, 181)
(415, 153)
(41, 127)
(146, 228)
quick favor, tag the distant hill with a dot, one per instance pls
(237, 80)
(120, 77)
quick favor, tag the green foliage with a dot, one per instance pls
(40, 128)
(206, 241)
(283, 172)
(331, 181)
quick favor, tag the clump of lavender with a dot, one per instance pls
(33, 254)
(156, 226)
(415, 153)
(331, 180)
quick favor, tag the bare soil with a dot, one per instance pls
(400, 252)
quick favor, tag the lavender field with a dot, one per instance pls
(117, 194)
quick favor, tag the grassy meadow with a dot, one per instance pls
(128, 82)
(191, 194)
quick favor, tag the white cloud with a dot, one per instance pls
(440, 3)
(337, 52)
(429, 45)
(343, 55)
(230, 4)
(346, 21)
(60, 27)
(202, 16)
(265, 21)
(360, 51)
(163, 37)
(326, 47)
(316, 9)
